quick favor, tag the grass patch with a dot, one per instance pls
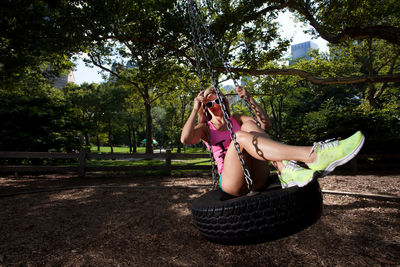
(149, 163)
(191, 150)
(125, 149)
(117, 149)
(145, 162)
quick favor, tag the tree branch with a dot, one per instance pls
(391, 68)
(384, 32)
(116, 74)
(254, 16)
(289, 72)
(315, 80)
(387, 33)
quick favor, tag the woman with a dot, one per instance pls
(258, 148)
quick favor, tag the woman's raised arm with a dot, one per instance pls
(192, 133)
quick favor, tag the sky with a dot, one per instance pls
(289, 29)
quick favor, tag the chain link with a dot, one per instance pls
(224, 62)
(195, 41)
(195, 15)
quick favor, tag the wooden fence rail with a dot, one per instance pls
(83, 157)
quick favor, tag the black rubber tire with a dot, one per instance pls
(269, 215)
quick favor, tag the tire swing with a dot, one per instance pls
(258, 216)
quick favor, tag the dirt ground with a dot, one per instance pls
(116, 220)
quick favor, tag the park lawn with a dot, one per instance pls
(145, 162)
(117, 149)
(125, 149)
(150, 162)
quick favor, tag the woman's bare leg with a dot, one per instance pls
(232, 178)
(261, 147)
(259, 171)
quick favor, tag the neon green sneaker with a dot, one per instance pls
(295, 175)
(333, 153)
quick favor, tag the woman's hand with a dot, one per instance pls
(199, 100)
(262, 116)
(242, 92)
(192, 133)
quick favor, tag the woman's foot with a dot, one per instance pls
(295, 175)
(333, 153)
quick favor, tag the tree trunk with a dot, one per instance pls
(370, 93)
(134, 140)
(181, 122)
(98, 142)
(280, 128)
(87, 142)
(275, 122)
(110, 136)
(149, 122)
(179, 147)
(130, 138)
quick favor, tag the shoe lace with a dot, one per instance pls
(292, 165)
(322, 145)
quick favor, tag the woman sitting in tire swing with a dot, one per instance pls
(257, 147)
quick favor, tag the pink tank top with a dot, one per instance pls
(220, 142)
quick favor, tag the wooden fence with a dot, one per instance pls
(83, 157)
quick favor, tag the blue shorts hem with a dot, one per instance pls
(219, 183)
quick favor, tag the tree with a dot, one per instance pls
(36, 34)
(373, 57)
(36, 117)
(112, 109)
(150, 82)
(176, 107)
(340, 20)
(84, 102)
(336, 21)
(368, 57)
(132, 26)
(246, 33)
(243, 30)
(273, 93)
(133, 116)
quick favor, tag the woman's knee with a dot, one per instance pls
(242, 136)
(245, 138)
(232, 186)
(250, 126)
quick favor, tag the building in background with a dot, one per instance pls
(301, 50)
(117, 67)
(62, 81)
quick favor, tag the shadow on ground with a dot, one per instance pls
(147, 221)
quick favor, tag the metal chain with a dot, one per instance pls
(201, 39)
(196, 53)
(225, 63)
(195, 41)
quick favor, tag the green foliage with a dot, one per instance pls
(155, 94)
(173, 110)
(381, 128)
(38, 32)
(36, 118)
(84, 104)
(302, 113)
(339, 14)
